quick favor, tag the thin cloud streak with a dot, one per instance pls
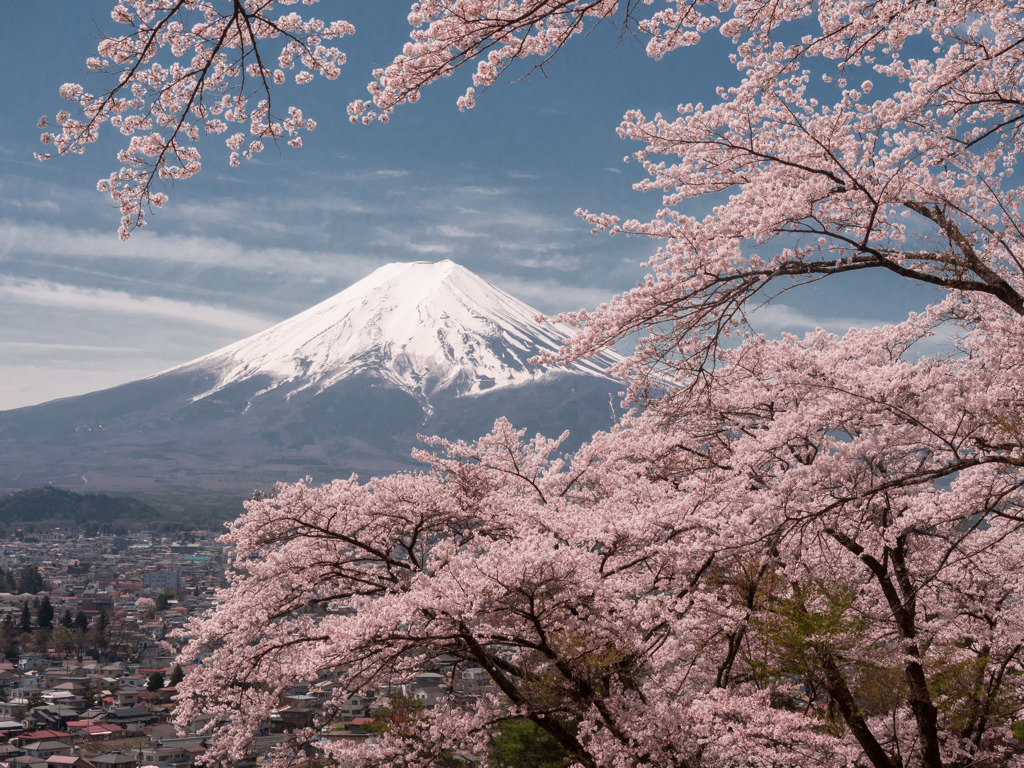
(550, 298)
(775, 318)
(197, 250)
(60, 296)
(451, 230)
(49, 347)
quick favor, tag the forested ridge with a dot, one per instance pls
(54, 504)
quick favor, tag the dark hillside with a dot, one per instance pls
(52, 504)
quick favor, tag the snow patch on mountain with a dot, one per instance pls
(425, 327)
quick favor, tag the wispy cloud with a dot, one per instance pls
(775, 318)
(48, 207)
(333, 203)
(477, 190)
(224, 214)
(439, 249)
(535, 221)
(554, 261)
(519, 246)
(18, 240)
(548, 297)
(47, 347)
(451, 230)
(58, 296)
(375, 174)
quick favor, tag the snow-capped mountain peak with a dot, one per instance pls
(423, 326)
(344, 387)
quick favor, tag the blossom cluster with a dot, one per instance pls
(187, 69)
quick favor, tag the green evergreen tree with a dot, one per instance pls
(44, 614)
(176, 676)
(66, 620)
(26, 617)
(155, 681)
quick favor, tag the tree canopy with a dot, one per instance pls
(794, 551)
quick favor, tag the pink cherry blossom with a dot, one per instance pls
(188, 68)
(802, 551)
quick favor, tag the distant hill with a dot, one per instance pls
(52, 504)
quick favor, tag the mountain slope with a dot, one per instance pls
(342, 387)
(424, 327)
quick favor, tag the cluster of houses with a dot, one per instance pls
(102, 715)
(87, 715)
(98, 707)
(87, 704)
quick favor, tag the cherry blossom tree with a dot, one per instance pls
(795, 551)
(185, 69)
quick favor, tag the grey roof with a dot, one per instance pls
(128, 711)
(113, 758)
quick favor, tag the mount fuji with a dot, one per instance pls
(414, 348)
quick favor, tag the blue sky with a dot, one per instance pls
(236, 250)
